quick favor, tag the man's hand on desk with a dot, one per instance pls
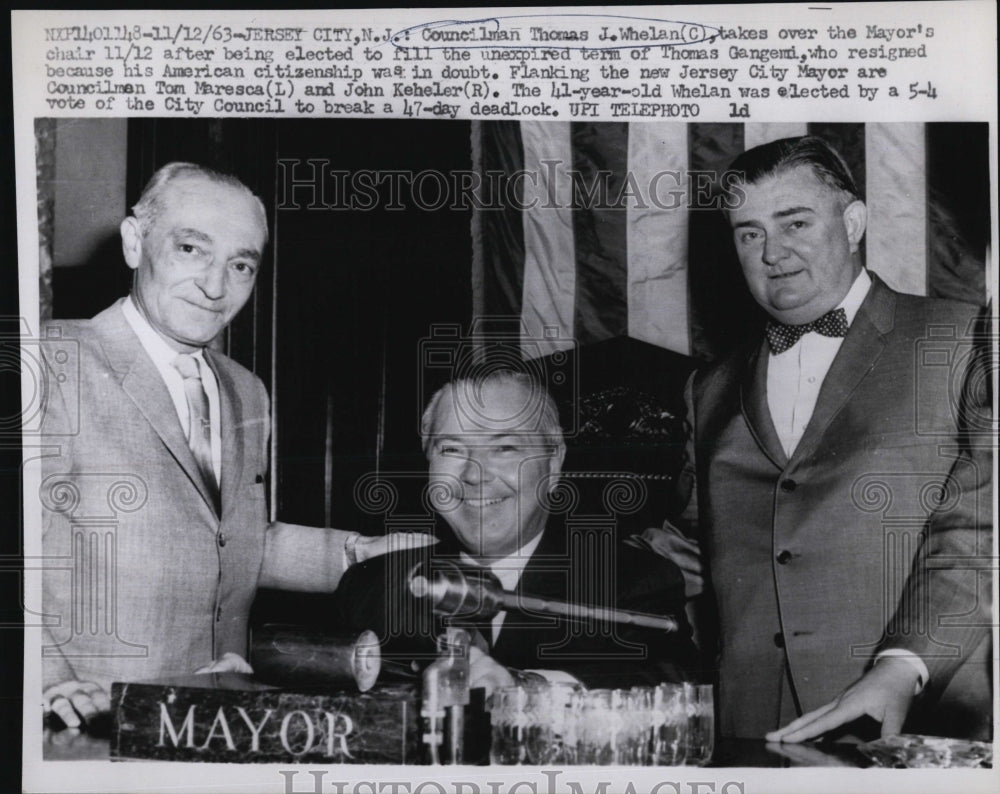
(229, 663)
(883, 693)
(367, 547)
(806, 755)
(75, 702)
(485, 671)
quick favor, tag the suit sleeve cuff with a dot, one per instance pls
(912, 658)
(351, 549)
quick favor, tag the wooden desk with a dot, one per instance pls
(67, 745)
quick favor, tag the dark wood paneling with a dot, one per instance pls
(357, 291)
(345, 296)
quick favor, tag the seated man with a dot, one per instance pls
(495, 450)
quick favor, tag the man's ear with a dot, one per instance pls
(855, 221)
(131, 242)
(556, 462)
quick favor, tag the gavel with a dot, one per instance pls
(456, 591)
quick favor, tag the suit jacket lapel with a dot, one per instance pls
(231, 418)
(858, 354)
(753, 404)
(544, 573)
(142, 382)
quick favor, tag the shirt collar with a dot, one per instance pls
(163, 355)
(856, 295)
(509, 569)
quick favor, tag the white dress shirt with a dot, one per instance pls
(794, 377)
(508, 570)
(163, 355)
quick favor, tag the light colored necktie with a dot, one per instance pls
(199, 425)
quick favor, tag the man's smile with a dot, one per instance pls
(487, 502)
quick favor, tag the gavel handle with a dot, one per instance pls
(579, 612)
(452, 583)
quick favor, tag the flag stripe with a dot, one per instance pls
(600, 165)
(958, 210)
(897, 197)
(714, 145)
(549, 245)
(849, 140)
(666, 273)
(658, 236)
(502, 251)
(478, 134)
(757, 133)
(719, 304)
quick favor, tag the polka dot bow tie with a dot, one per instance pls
(781, 337)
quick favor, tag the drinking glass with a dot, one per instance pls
(534, 724)
(639, 727)
(508, 723)
(669, 720)
(701, 724)
(598, 728)
(538, 736)
(564, 719)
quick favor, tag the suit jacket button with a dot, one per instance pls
(222, 539)
(779, 640)
(784, 557)
(258, 479)
(788, 485)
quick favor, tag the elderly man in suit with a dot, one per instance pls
(835, 481)
(495, 451)
(166, 440)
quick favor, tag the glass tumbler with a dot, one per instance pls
(701, 724)
(669, 725)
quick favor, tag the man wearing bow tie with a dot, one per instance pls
(835, 484)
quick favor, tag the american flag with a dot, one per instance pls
(596, 244)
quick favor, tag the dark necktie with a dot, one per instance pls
(781, 336)
(199, 426)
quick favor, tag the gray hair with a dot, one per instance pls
(150, 204)
(547, 416)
